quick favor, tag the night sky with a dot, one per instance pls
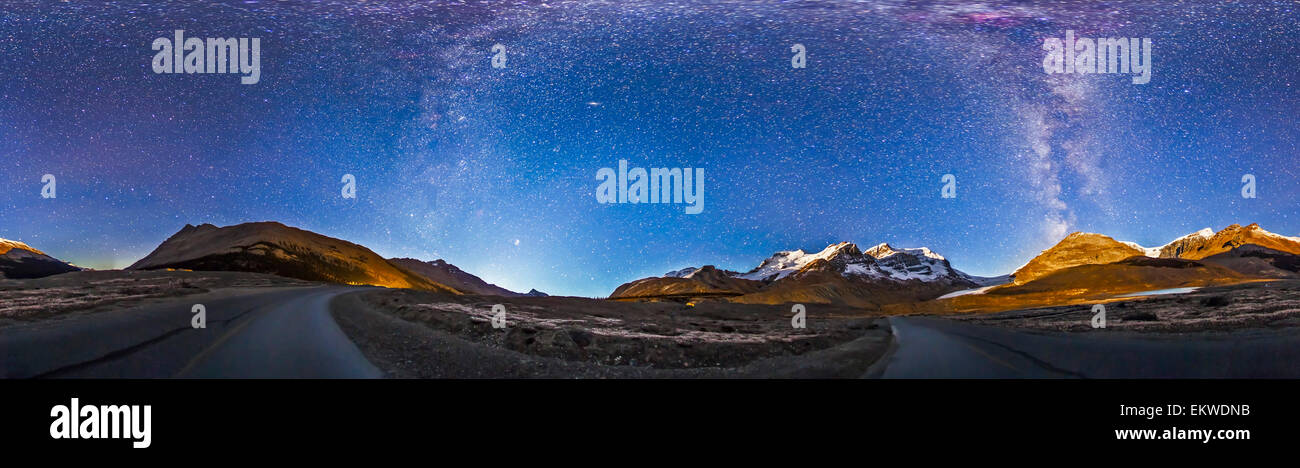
(494, 169)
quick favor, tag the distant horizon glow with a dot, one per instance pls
(492, 169)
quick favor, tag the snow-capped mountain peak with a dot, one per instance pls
(881, 261)
(1201, 234)
(1173, 246)
(880, 250)
(1206, 242)
(19, 260)
(787, 262)
(682, 273)
(883, 250)
(1156, 252)
(6, 245)
(1264, 232)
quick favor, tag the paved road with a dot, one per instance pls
(939, 348)
(284, 333)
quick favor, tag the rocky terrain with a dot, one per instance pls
(1202, 244)
(410, 333)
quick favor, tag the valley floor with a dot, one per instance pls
(411, 334)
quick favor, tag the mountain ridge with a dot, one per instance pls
(883, 274)
(21, 261)
(840, 273)
(445, 273)
(272, 247)
(1083, 248)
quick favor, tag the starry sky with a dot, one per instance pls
(494, 169)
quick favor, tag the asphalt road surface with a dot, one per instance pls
(948, 349)
(285, 333)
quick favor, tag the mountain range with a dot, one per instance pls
(1213, 247)
(840, 273)
(1090, 268)
(1086, 265)
(270, 247)
(1082, 266)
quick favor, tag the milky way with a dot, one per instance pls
(493, 169)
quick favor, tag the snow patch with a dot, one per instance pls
(785, 263)
(682, 273)
(968, 291)
(1147, 251)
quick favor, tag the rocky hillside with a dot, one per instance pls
(1080, 248)
(270, 247)
(1083, 248)
(1202, 244)
(18, 261)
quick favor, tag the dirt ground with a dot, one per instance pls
(1270, 304)
(87, 292)
(413, 334)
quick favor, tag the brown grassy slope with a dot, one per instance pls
(1076, 249)
(1084, 284)
(271, 247)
